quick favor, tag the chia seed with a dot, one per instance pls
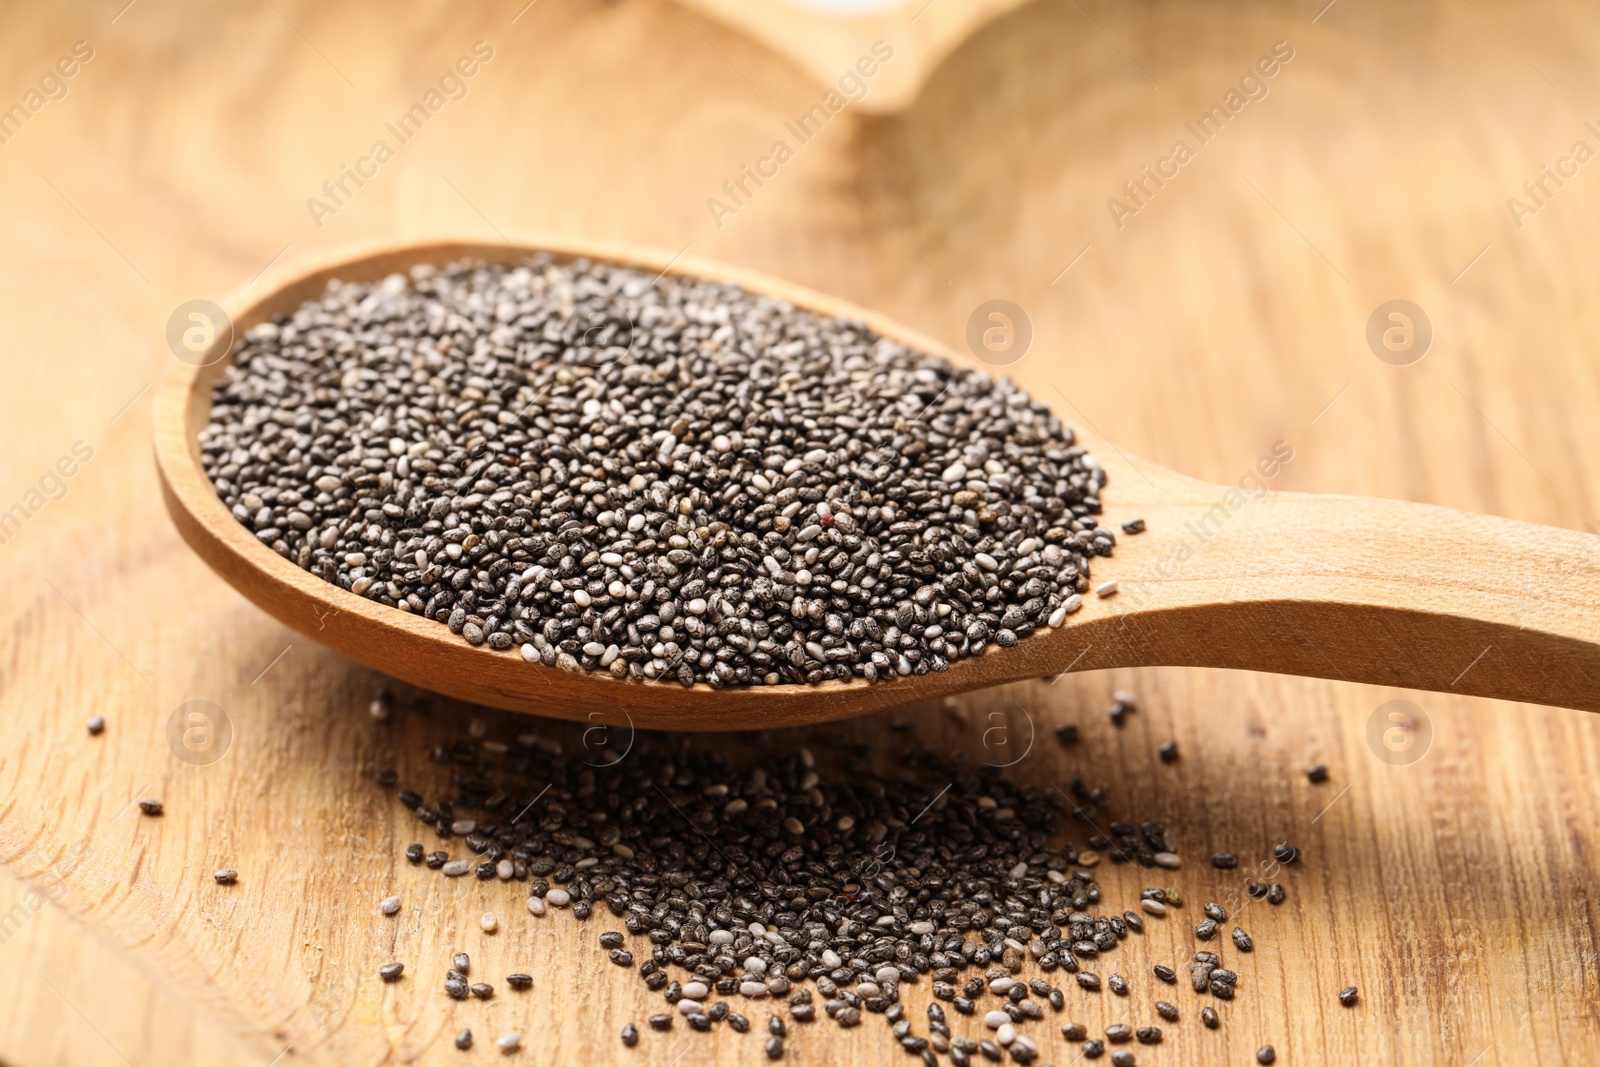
(782, 875)
(653, 478)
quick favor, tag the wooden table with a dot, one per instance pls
(1227, 314)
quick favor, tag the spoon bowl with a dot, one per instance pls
(1233, 576)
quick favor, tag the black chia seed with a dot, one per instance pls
(792, 874)
(663, 479)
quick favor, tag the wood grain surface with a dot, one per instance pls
(1451, 883)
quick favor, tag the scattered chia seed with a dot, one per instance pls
(1348, 996)
(96, 725)
(788, 877)
(1276, 893)
(510, 1042)
(1133, 526)
(391, 972)
(152, 807)
(1067, 735)
(519, 982)
(630, 1035)
(464, 1040)
(1241, 940)
(1169, 752)
(389, 905)
(1093, 1049)
(1318, 774)
(1286, 854)
(1208, 1016)
(658, 478)
(226, 876)
(1224, 861)
(1266, 1054)
(1123, 1059)
(382, 706)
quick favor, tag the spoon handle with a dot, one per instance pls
(1357, 589)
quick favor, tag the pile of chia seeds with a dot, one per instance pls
(656, 478)
(803, 887)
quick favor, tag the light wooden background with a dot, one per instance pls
(1227, 315)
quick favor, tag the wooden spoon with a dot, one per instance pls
(1357, 589)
